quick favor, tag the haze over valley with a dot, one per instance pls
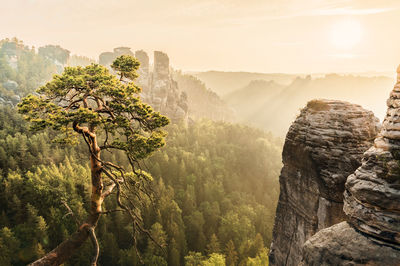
(199, 133)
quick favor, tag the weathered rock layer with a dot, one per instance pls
(323, 146)
(372, 197)
(341, 244)
(371, 203)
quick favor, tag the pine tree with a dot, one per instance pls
(106, 112)
(160, 240)
(215, 259)
(173, 254)
(231, 254)
(258, 246)
(9, 246)
(213, 245)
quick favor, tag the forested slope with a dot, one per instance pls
(216, 183)
(216, 187)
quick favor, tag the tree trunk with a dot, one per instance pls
(67, 248)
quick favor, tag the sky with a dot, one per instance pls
(288, 36)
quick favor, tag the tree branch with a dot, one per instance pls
(93, 237)
(70, 212)
(72, 103)
(82, 130)
(108, 190)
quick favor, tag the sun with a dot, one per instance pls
(346, 34)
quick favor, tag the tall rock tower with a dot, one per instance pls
(323, 146)
(371, 234)
(144, 72)
(161, 83)
(158, 87)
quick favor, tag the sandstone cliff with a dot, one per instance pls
(160, 90)
(371, 234)
(323, 146)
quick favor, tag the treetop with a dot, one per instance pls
(94, 98)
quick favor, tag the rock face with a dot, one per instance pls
(10, 54)
(323, 146)
(371, 204)
(160, 90)
(158, 87)
(107, 58)
(172, 92)
(144, 71)
(341, 244)
(372, 197)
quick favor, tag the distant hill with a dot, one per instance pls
(224, 83)
(252, 97)
(273, 108)
(203, 102)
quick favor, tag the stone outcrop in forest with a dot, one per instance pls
(323, 146)
(180, 96)
(159, 89)
(371, 233)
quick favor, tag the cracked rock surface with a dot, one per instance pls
(341, 244)
(371, 235)
(323, 146)
(372, 197)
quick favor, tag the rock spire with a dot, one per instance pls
(371, 234)
(323, 146)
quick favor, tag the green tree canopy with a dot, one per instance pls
(107, 113)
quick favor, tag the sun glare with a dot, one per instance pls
(345, 34)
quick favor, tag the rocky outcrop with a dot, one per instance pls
(56, 54)
(371, 203)
(10, 52)
(123, 51)
(158, 87)
(161, 91)
(323, 146)
(341, 244)
(161, 84)
(107, 58)
(143, 71)
(172, 92)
